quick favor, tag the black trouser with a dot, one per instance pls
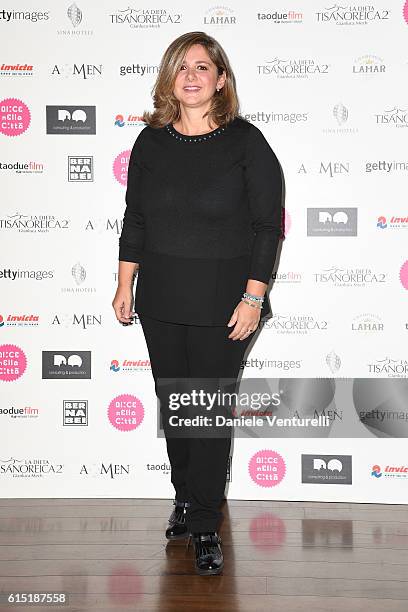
(198, 465)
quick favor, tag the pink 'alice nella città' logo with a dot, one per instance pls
(120, 167)
(267, 468)
(14, 117)
(125, 412)
(286, 222)
(405, 11)
(404, 274)
(13, 362)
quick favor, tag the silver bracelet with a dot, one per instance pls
(254, 298)
(251, 303)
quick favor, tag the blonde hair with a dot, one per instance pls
(224, 105)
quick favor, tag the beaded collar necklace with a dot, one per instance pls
(197, 138)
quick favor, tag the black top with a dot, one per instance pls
(203, 215)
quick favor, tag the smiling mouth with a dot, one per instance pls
(192, 88)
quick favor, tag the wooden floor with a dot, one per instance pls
(111, 555)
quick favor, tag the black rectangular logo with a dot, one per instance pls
(326, 469)
(70, 365)
(76, 120)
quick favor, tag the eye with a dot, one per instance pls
(199, 66)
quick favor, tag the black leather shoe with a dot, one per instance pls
(209, 559)
(177, 522)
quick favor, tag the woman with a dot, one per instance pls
(202, 225)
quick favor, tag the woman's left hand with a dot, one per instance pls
(246, 319)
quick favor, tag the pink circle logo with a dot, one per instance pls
(13, 362)
(404, 275)
(14, 117)
(120, 167)
(126, 412)
(287, 221)
(267, 468)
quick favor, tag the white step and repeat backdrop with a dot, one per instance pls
(326, 84)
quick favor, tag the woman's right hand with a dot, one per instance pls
(122, 305)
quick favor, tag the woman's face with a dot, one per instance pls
(197, 78)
